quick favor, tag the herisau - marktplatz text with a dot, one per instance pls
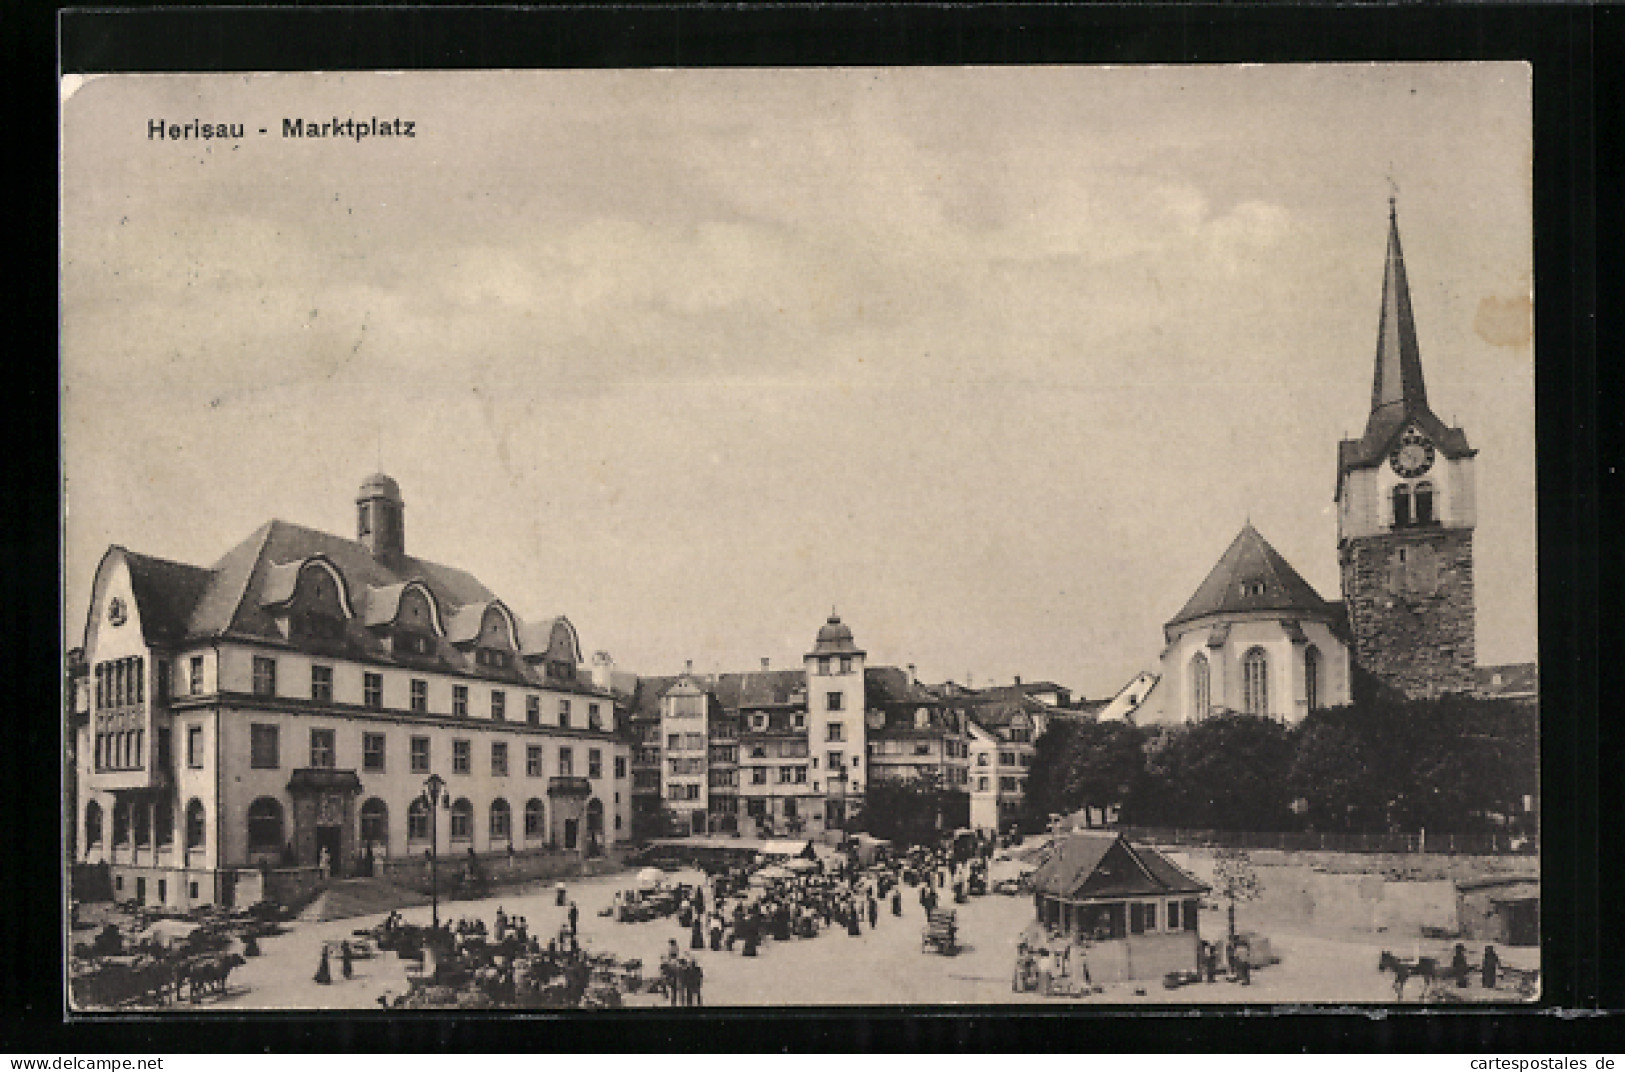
(358, 129)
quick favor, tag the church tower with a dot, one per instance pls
(1405, 518)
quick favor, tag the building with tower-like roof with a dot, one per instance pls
(1255, 637)
(1406, 511)
(278, 713)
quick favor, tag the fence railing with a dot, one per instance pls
(1312, 841)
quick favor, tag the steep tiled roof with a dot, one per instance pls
(233, 604)
(168, 594)
(1231, 586)
(1103, 864)
(239, 596)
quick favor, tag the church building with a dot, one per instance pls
(1256, 638)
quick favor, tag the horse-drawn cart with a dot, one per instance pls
(941, 934)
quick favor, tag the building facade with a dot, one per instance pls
(787, 751)
(285, 707)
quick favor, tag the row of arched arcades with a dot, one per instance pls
(1255, 681)
(268, 825)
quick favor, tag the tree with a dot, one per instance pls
(1227, 772)
(1236, 881)
(915, 811)
(1084, 764)
(1330, 774)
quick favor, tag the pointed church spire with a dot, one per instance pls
(1396, 386)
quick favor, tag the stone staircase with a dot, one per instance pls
(347, 898)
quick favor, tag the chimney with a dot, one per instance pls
(1018, 679)
(688, 666)
(913, 674)
(764, 662)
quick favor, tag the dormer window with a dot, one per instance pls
(493, 659)
(1252, 588)
(413, 643)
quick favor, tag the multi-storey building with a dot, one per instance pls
(914, 733)
(789, 751)
(1002, 727)
(285, 707)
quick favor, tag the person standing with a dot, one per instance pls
(897, 902)
(324, 973)
(874, 912)
(575, 915)
(696, 938)
(344, 959)
(1492, 967)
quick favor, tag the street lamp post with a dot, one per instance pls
(433, 786)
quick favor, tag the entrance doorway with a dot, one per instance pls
(140, 891)
(571, 826)
(328, 842)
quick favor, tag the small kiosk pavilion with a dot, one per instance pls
(1132, 913)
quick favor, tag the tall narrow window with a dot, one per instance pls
(263, 747)
(1255, 676)
(499, 705)
(321, 748)
(1311, 677)
(194, 824)
(1201, 686)
(321, 684)
(420, 696)
(264, 676)
(1424, 503)
(372, 690)
(1402, 505)
(459, 701)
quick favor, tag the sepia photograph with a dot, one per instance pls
(1058, 536)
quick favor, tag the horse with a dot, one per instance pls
(1426, 968)
(209, 973)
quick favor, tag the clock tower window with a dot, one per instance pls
(1402, 505)
(1424, 503)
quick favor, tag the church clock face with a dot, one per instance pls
(1412, 456)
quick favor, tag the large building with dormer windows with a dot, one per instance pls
(284, 707)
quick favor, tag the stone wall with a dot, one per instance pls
(497, 869)
(1409, 596)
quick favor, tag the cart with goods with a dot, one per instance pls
(941, 934)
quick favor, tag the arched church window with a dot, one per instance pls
(1402, 505)
(1311, 676)
(1201, 686)
(1424, 503)
(1255, 682)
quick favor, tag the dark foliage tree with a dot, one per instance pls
(1225, 772)
(1084, 764)
(917, 811)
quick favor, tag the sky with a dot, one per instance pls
(995, 362)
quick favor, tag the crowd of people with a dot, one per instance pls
(738, 910)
